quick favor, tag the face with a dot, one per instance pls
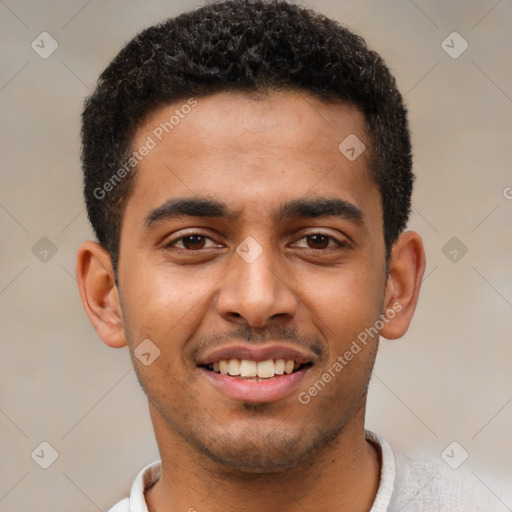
(250, 237)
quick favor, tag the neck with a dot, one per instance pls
(343, 476)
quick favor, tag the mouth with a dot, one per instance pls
(255, 373)
(250, 370)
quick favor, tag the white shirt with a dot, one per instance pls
(407, 484)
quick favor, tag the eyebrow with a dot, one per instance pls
(296, 208)
(319, 207)
(192, 207)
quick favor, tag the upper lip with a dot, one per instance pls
(256, 353)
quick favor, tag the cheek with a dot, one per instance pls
(164, 303)
(344, 300)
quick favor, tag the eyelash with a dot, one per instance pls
(339, 244)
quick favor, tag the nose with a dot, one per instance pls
(253, 293)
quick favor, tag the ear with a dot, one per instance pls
(406, 268)
(99, 294)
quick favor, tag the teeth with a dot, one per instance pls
(288, 367)
(223, 366)
(279, 366)
(234, 367)
(266, 369)
(247, 368)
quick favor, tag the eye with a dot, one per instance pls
(320, 241)
(191, 242)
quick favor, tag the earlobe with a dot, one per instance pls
(99, 294)
(406, 268)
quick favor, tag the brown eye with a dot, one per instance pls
(192, 242)
(318, 241)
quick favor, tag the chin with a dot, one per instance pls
(254, 451)
(245, 459)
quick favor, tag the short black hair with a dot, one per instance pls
(240, 45)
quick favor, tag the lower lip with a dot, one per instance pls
(268, 390)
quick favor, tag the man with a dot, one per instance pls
(248, 176)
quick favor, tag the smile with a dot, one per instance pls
(251, 370)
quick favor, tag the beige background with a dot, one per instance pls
(448, 380)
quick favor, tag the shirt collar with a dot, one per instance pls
(151, 474)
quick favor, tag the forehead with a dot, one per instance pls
(303, 122)
(252, 152)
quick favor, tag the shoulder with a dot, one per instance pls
(121, 506)
(424, 483)
(146, 478)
